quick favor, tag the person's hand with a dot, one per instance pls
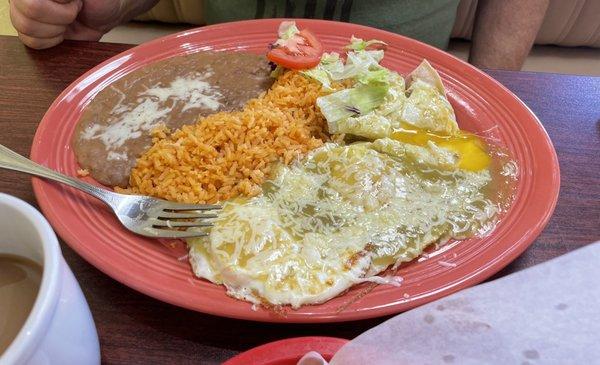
(45, 23)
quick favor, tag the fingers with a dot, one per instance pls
(42, 23)
(79, 32)
(40, 43)
(34, 28)
(48, 11)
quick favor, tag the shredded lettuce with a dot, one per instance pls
(332, 58)
(358, 63)
(376, 76)
(357, 44)
(330, 64)
(372, 82)
(350, 103)
(319, 74)
(381, 121)
(287, 29)
(287, 36)
(362, 66)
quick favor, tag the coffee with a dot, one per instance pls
(20, 280)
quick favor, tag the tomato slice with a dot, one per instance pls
(302, 51)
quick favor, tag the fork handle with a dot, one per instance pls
(13, 161)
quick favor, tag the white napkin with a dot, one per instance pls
(547, 314)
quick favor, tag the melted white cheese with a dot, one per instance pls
(342, 216)
(130, 121)
(112, 155)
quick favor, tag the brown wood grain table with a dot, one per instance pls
(136, 329)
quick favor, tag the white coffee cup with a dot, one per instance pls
(60, 328)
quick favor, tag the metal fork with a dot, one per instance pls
(143, 215)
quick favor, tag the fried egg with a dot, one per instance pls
(338, 218)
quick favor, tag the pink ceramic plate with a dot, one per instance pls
(289, 351)
(482, 106)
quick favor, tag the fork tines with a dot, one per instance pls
(183, 206)
(173, 217)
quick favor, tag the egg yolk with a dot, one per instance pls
(471, 150)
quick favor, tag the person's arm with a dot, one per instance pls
(504, 32)
(45, 23)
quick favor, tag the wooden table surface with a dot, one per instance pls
(136, 329)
